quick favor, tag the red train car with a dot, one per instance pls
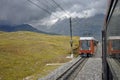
(114, 45)
(87, 46)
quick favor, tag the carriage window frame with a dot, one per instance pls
(86, 44)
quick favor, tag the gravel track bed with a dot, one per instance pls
(92, 70)
(56, 73)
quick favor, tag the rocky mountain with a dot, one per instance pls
(81, 27)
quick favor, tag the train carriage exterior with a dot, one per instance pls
(111, 42)
(87, 46)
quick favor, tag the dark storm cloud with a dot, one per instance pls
(19, 11)
(22, 11)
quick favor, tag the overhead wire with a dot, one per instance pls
(61, 8)
(48, 7)
(49, 12)
(76, 21)
(51, 4)
(42, 8)
(65, 11)
(58, 5)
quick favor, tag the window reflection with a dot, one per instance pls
(116, 44)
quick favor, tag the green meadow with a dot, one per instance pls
(24, 55)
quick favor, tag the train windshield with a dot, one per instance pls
(116, 44)
(85, 45)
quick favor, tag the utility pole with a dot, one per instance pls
(71, 41)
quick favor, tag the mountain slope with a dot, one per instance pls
(22, 27)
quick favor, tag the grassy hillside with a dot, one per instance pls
(25, 54)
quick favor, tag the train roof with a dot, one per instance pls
(113, 37)
(87, 38)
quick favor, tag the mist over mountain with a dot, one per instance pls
(91, 26)
(81, 27)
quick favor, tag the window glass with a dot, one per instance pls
(85, 45)
(116, 44)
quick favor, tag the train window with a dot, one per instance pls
(85, 45)
(116, 44)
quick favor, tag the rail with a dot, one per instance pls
(67, 71)
(72, 72)
(114, 65)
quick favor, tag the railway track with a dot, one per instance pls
(72, 72)
(114, 65)
(117, 61)
(67, 71)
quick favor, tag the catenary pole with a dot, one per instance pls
(71, 41)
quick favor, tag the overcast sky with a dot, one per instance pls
(23, 11)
